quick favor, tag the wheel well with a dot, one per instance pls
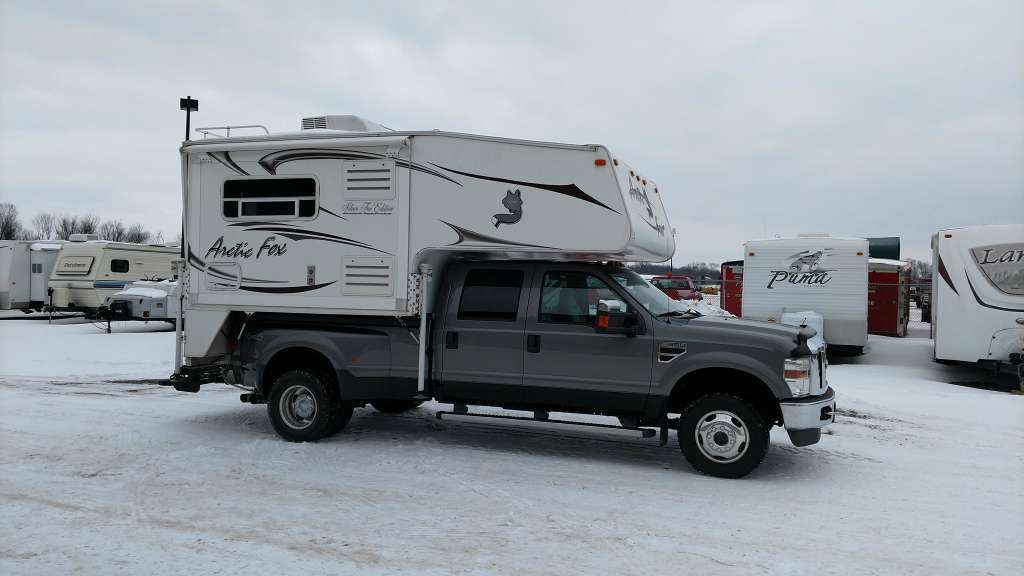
(298, 359)
(727, 380)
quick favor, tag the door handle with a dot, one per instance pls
(533, 343)
(451, 340)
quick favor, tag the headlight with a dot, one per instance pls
(797, 372)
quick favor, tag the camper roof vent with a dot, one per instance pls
(346, 122)
(83, 237)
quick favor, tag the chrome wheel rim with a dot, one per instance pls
(722, 437)
(298, 407)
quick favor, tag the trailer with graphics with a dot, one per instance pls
(346, 265)
(978, 295)
(87, 272)
(811, 272)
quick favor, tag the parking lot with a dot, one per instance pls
(104, 472)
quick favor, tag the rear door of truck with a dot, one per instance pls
(482, 342)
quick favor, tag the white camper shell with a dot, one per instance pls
(88, 272)
(339, 221)
(144, 300)
(978, 293)
(25, 267)
(810, 272)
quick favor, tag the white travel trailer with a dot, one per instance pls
(810, 272)
(978, 294)
(87, 272)
(143, 300)
(345, 217)
(25, 267)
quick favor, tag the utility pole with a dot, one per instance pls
(189, 105)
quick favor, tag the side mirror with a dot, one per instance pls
(615, 322)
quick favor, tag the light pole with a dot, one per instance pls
(189, 105)
(672, 258)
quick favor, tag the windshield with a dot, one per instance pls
(655, 301)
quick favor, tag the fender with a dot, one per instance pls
(723, 359)
(355, 355)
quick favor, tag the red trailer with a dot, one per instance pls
(888, 297)
(731, 295)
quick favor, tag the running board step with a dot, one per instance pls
(543, 417)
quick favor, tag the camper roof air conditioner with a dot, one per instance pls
(83, 237)
(346, 122)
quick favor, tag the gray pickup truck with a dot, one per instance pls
(549, 337)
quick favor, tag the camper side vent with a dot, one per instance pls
(367, 276)
(369, 180)
(314, 123)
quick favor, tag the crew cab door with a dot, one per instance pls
(568, 363)
(482, 343)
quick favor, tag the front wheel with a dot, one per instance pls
(723, 435)
(302, 409)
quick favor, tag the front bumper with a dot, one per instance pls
(805, 417)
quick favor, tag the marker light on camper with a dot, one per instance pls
(600, 162)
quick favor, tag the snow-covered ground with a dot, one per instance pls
(102, 472)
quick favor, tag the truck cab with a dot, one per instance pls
(551, 337)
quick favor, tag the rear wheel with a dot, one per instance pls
(302, 409)
(395, 406)
(723, 435)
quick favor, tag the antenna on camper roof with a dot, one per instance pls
(189, 105)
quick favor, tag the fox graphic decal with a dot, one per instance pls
(513, 202)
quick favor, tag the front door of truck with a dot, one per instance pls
(567, 362)
(482, 343)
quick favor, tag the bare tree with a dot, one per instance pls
(113, 230)
(65, 226)
(10, 226)
(137, 234)
(89, 224)
(43, 225)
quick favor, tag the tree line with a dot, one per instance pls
(51, 226)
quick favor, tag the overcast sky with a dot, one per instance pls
(756, 119)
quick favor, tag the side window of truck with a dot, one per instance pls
(491, 295)
(575, 298)
(119, 266)
(269, 198)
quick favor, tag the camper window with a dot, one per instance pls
(270, 198)
(491, 295)
(119, 266)
(37, 268)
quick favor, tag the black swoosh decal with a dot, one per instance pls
(978, 298)
(299, 234)
(284, 289)
(567, 189)
(322, 209)
(227, 162)
(468, 235)
(271, 161)
(945, 276)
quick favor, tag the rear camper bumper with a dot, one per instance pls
(805, 417)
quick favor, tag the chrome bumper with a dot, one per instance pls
(805, 417)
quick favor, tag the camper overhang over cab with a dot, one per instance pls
(339, 217)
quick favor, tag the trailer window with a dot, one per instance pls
(269, 198)
(37, 268)
(491, 295)
(574, 298)
(119, 266)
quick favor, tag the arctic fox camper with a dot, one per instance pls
(978, 294)
(811, 272)
(87, 272)
(25, 267)
(347, 265)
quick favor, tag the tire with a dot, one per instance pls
(302, 408)
(723, 435)
(395, 406)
